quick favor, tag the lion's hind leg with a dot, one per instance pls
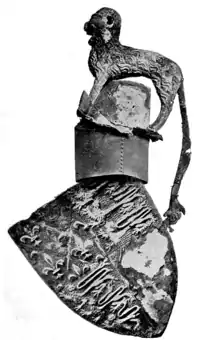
(166, 89)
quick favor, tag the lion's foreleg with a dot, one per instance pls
(167, 96)
(97, 87)
(86, 101)
(165, 111)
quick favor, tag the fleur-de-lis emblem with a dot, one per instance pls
(54, 268)
(31, 236)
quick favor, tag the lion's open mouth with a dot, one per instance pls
(89, 28)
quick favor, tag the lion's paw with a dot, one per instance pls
(175, 211)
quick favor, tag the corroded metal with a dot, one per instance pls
(100, 247)
(100, 151)
(125, 104)
(109, 60)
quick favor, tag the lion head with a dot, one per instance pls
(103, 26)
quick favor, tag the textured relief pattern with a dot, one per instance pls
(100, 247)
(110, 60)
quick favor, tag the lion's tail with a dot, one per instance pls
(186, 144)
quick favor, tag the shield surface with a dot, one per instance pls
(101, 248)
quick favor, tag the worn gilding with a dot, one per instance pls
(102, 152)
(124, 103)
(100, 247)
